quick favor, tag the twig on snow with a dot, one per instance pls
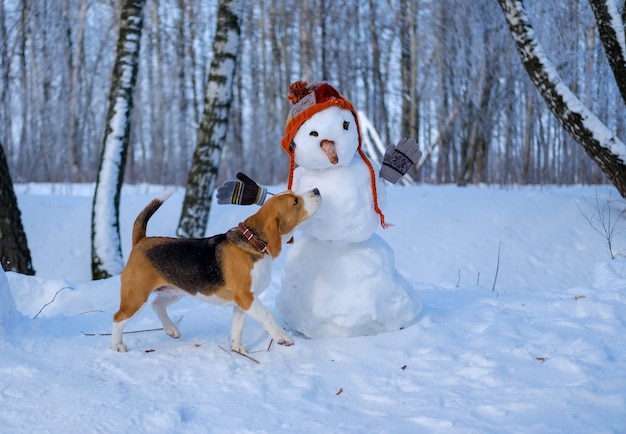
(91, 311)
(241, 354)
(495, 278)
(51, 301)
(180, 318)
(224, 349)
(247, 357)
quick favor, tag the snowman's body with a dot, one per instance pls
(339, 277)
(347, 214)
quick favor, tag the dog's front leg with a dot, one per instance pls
(263, 316)
(236, 331)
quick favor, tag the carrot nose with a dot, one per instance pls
(328, 146)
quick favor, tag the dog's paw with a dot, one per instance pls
(239, 348)
(120, 348)
(284, 340)
(172, 332)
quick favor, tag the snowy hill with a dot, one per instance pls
(523, 328)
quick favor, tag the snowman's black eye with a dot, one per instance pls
(313, 133)
(346, 125)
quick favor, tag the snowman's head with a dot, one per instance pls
(328, 138)
(322, 128)
(322, 131)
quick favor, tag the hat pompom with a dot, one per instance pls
(297, 91)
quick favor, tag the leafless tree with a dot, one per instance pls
(14, 252)
(215, 120)
(106, 250)
(600, 143)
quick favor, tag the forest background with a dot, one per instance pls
(446, 72)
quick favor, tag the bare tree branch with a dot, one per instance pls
(613, 37)
(600, 143)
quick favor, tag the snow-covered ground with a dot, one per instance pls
(523, 328)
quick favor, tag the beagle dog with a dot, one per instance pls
(234, 267)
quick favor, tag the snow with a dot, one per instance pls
(542, 350)
(9, 315)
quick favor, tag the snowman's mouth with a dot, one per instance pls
(328, 146)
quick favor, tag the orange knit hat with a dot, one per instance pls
(309, 99)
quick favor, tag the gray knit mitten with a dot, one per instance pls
(242, 192)
(399, 159)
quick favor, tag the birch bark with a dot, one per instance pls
(598, 141)
(215, 119)
(106, 249)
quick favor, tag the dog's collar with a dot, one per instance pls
(258, 243)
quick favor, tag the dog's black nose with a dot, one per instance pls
(316, 192)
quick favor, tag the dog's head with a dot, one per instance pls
(276, 220)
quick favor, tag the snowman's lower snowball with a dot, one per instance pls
(341, 289)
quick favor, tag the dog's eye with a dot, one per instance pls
(313, 133)
(295, 201)
(346, 125)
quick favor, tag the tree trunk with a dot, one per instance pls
(5, 74)
(14, 253)
(106, 250)
(613, 36)
(408, 68)
(74, 152)
(378, 96)
(597, 139)
(212, 131)
(306, 59)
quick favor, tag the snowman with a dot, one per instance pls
(339, 278)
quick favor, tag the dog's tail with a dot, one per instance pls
(141, 222)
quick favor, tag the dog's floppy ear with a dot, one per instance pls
(292, 212)
(280, 220)
(266, 225)
(273, 237)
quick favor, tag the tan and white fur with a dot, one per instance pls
(228, 268)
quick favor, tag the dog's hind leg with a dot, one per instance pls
(116, 336)
(133, 297)
(165, 297)
(236, 331)
(121, 317)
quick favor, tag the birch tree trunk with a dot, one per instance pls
(600, 143)
(212, 131)
(14, 253)
(613, 36)
(106, 250)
